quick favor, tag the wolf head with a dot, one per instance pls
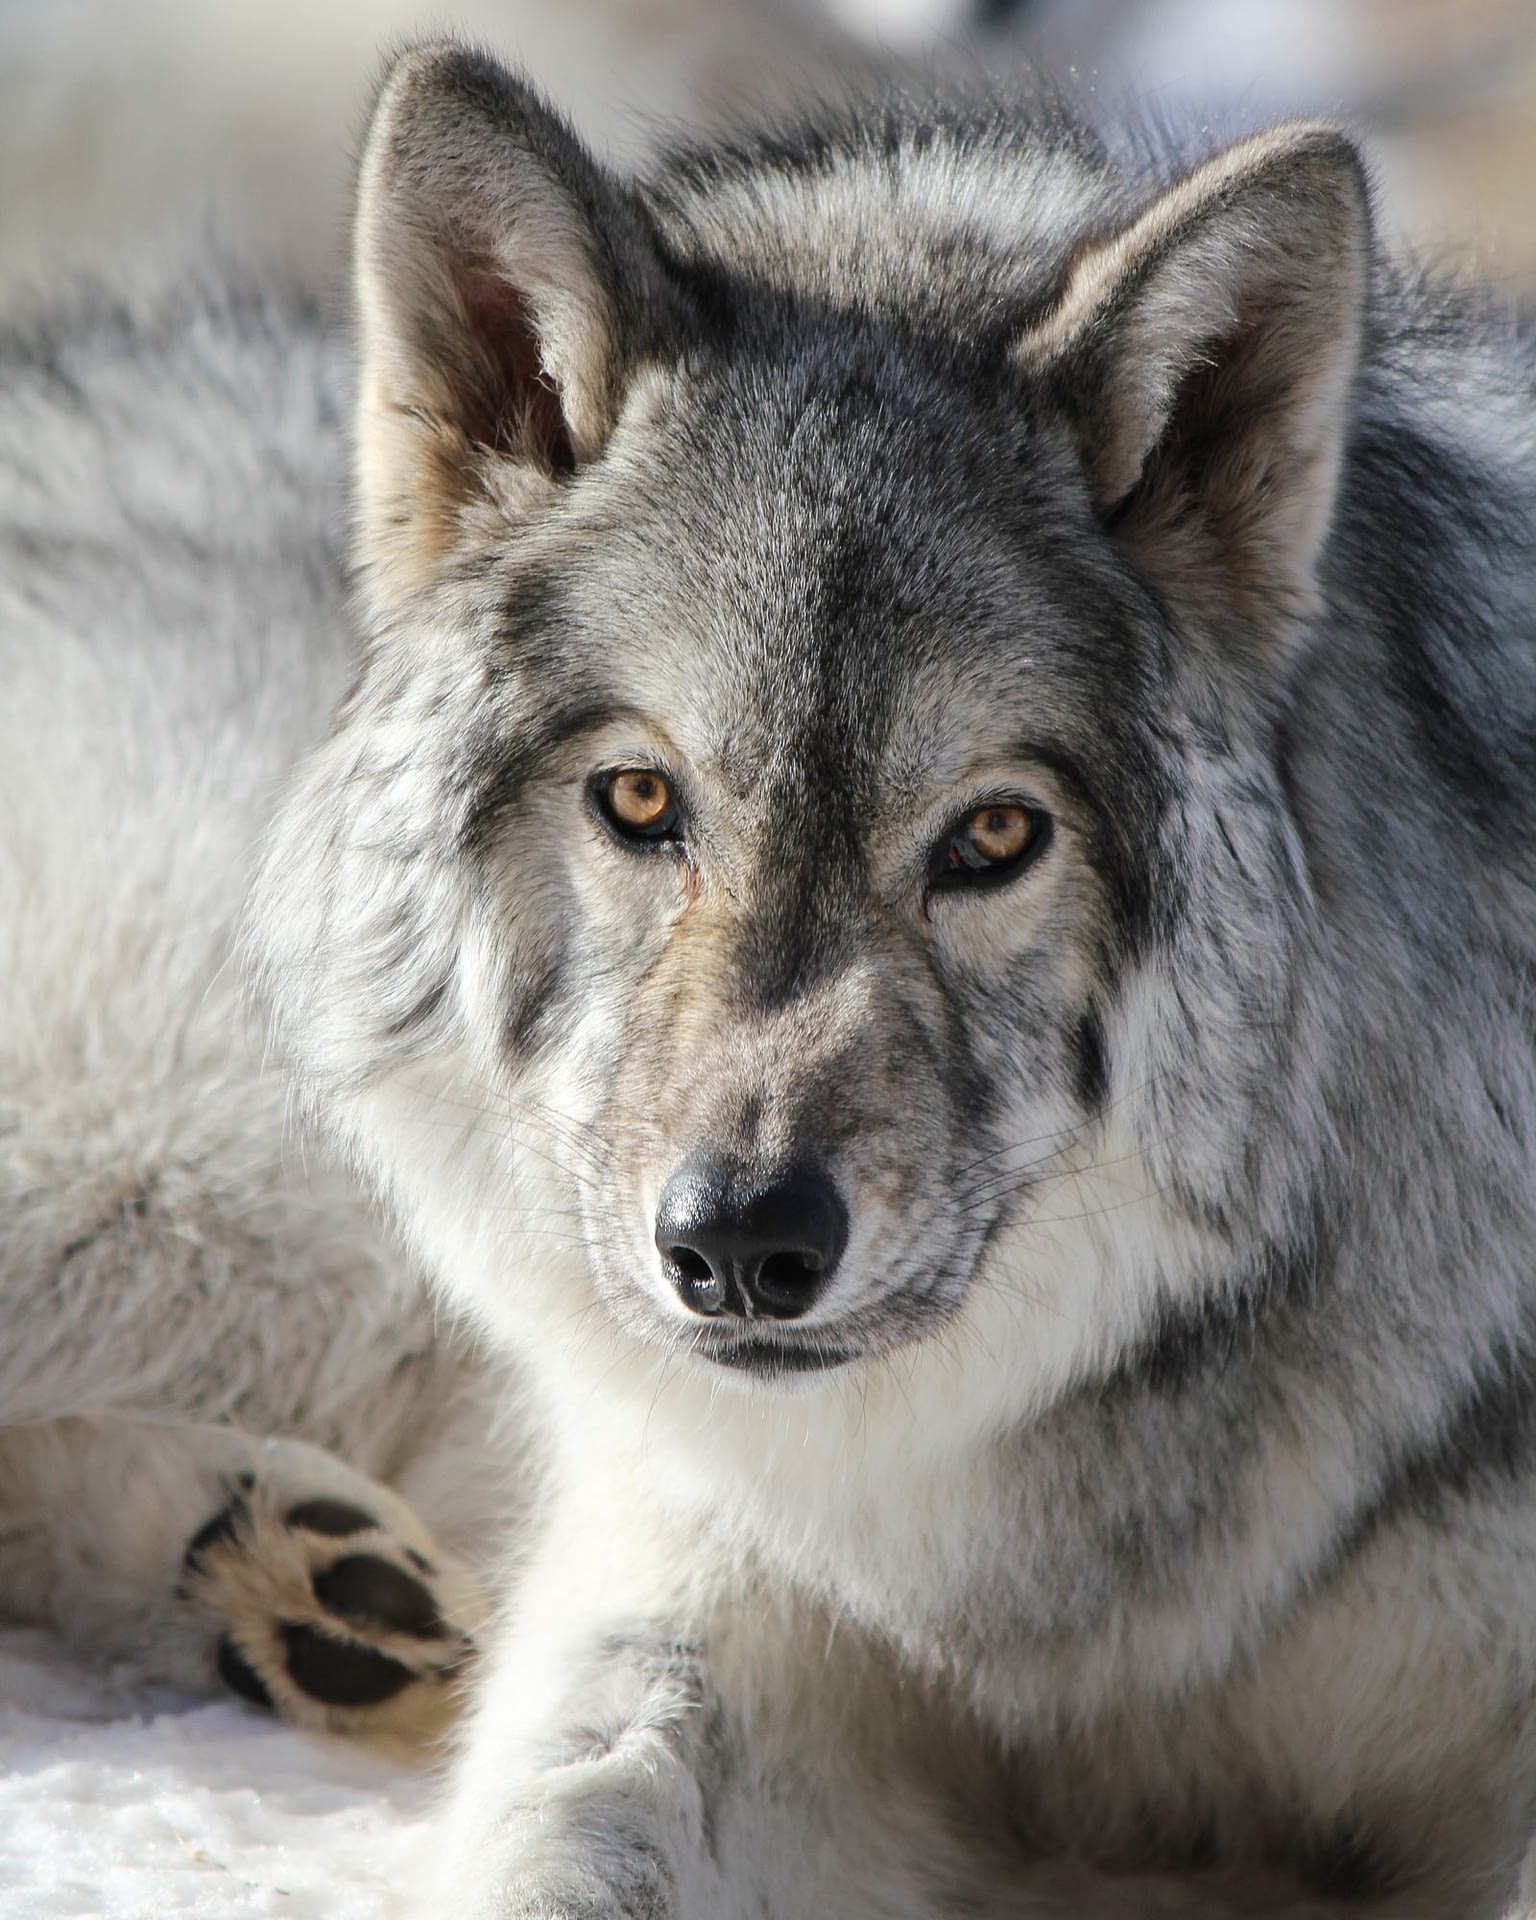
(801, 864)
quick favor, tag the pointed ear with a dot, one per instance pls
(490, 267)
(1204, 357)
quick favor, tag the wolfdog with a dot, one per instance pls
(918, 902)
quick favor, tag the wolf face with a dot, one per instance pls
(853, 947)
(803, 698)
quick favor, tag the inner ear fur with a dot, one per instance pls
(490, 263)
(1204, 357)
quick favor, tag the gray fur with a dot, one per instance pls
(1162, 1499)
(172, 632)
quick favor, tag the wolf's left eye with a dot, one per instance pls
(991, 844)
(638, 804)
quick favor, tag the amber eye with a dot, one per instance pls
(999, 833)
(638, 804)
(991, 844)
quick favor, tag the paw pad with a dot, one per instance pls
(335, 1517)
(328, 1614)
(373, 1592)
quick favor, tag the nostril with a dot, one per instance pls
(786, 1284)
(693, 1266)
(696, 1281)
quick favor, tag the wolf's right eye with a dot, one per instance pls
(637, 803)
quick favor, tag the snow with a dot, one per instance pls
(134, 1807)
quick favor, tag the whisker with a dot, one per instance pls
(1000, 1185)
(1076, 1129)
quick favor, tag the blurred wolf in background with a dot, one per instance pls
(919, 903)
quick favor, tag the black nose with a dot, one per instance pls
(735, 1245)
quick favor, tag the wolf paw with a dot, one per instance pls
(337, 1613)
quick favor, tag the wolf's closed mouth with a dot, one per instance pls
(777, 1356)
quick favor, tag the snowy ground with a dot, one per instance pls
(115, 1805)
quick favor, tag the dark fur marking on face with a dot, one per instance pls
(1090, 1064)
(1070, 774)
(533, 1000)
(794, 939)
(539, 641)
(1124, 823)
(1122, 819)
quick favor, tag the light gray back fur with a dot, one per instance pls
(173, 631)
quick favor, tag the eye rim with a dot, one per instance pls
(947, 877)
(665, 831)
